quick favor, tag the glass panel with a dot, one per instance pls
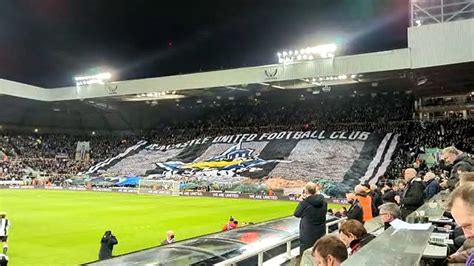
(219, 247)
(433, 208)
(159, 256)
(290, 225)
(373, 225)
(252, 235)
(403, 247)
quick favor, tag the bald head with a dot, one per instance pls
(360, 189)
(429, 176)
(410, 173)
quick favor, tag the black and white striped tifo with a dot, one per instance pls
(348, 157)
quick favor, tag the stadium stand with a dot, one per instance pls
(411, 102)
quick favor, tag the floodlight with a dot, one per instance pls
(94, 79)
(103, 76)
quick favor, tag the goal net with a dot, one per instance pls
(156, 186)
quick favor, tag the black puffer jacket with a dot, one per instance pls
(463, 163)
(312, 212)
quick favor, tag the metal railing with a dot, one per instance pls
(259, 251)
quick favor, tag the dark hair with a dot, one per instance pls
(236, 222)
(353, 227)
(331, 245)
(366, 184)
(389, 184)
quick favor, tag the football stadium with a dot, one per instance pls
(325, 156)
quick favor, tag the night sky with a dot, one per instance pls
(47, 42)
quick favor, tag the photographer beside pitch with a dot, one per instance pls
(107, 244)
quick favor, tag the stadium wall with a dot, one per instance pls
(441, 44)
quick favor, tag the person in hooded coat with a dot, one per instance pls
(107, 245)
(312, 211)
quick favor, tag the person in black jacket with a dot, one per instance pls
(460, 161)
(413, 196)
(432, 186)
(388, 194)
(377, 201)
(107, 245)
(312, 211)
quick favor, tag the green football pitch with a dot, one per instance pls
(65, 227)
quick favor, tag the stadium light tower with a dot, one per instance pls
(307, 54)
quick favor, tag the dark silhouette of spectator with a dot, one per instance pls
(107, 244)
(312, 210)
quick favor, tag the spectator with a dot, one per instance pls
(344, 212)
(361, 205)
(461, 204)
(107, 244)
(312, 210)
(376, 195)
(231, 224)
(169, 238)
(401, 187)
(388, 212)
(432, 186)
(353, 235)
(460, 161)
(329, 251)
(412, 197)
(388, 194)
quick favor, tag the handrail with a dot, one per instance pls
(259, 251)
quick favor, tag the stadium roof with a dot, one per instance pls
(439, 60)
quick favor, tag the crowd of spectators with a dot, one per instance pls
(55, 153)
(389, 202)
